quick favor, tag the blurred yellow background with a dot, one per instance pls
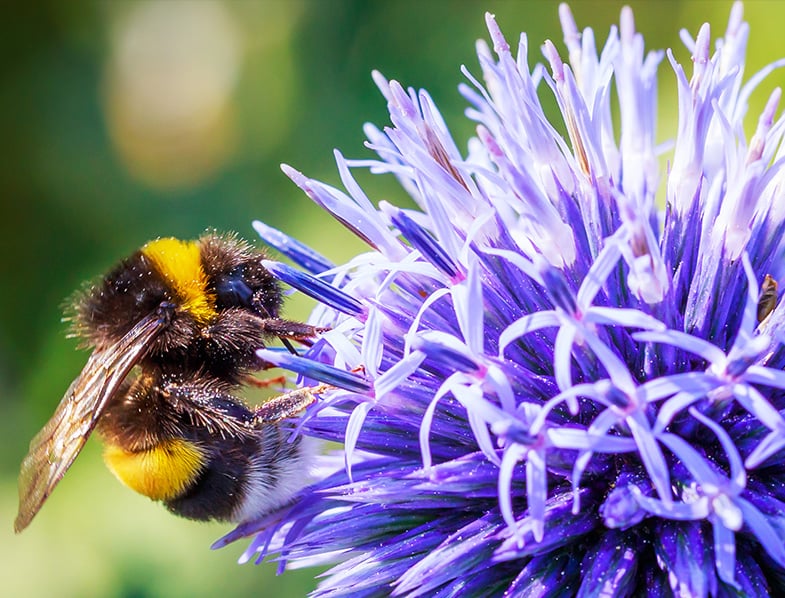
(123, 121)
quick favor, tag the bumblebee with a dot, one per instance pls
(174, 330)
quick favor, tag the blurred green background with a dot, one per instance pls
(122, 121)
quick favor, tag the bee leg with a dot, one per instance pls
(292, 403)
(265, 383)
(288, 405)
(296, 331)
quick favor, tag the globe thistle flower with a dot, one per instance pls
(545, 386)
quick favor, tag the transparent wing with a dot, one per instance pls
(54, 448)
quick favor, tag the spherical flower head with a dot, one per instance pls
(544, 385)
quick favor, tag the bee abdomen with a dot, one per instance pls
(162, 472)
(246, 479)
(276, 473)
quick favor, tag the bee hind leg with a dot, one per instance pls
(288, 404)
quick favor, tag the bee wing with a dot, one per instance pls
(54, 448)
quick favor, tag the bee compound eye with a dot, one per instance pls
(233, 291)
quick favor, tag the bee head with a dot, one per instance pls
(193, 284)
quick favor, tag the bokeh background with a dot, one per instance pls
(123, 121)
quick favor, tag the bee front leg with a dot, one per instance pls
(296, 331)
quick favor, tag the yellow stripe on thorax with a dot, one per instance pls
(180, 263)
(161, 473)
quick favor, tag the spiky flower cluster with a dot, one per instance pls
(545, 386)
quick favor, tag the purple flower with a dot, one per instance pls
(544, 385)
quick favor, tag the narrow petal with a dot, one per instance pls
(300, 254)
(316, 288)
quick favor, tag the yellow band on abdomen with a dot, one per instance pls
(163, 472)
